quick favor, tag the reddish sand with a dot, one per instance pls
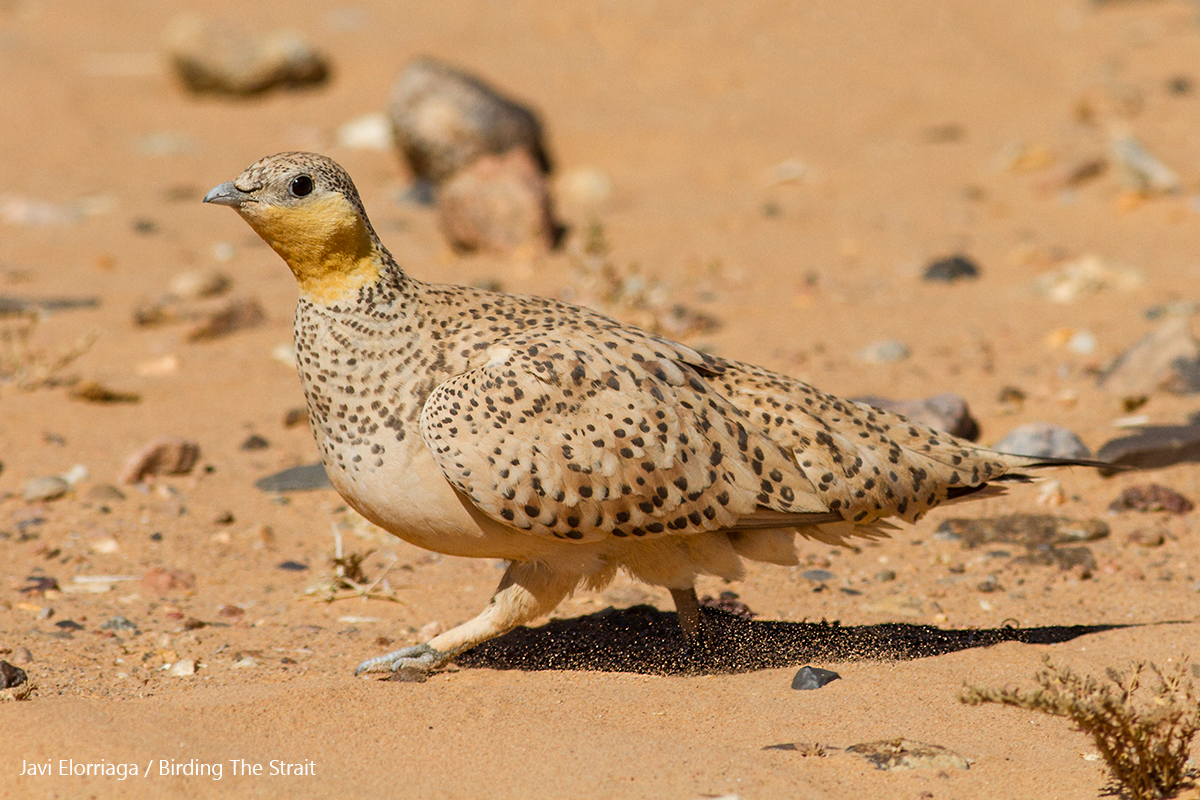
(902, 114)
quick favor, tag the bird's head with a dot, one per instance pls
(306, 207)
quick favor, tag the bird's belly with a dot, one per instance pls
(409, 497)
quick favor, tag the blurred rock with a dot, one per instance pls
(255, 442)
(167, 456)
(584, 189)
(160, 581)
(944, 412)
(1168, 359)
(198, 284)
(1151, 497)
(238, 314)
(211, 56)
(887, 351)
(498, 204)
(1043, 440)
(1141, 170)
(444, 119)
(949, 270)
(295, 416)
(1154, 446)
(93, 392)
(1086, 275)
(901, 753)
(369, 132)
(727, 601)
(1034, 531)
(51, 487)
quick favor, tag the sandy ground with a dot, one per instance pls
(910, 121)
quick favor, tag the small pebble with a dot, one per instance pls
(293, 566)
(196, 284)
(809, 678)
(51, 487)
(255, 442)
(295, 416)
(1154, 446)
(947, 412)
(118, 623)
(68, 625)
(22, 655)
(885, 576)
(949, 270)
(210, 56)
(817, 575)
(160, 581)
(1147, 539)
(167, 456)
(245, 662)
(182, 668)
(1043, 440)
(887, 351)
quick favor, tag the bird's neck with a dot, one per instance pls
(329, 247)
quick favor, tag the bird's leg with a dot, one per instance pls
(527, 591)
(695, 631)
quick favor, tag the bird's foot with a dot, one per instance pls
(419, 659)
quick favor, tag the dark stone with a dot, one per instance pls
(409, 675)
(11, 676)
(949, 270)
(1035, 531)
(296, 479)
(813, 678)
(293, 566)
(68, 625)
(1152, 447)
(255, 442)
(12, 305)
(1151, 497)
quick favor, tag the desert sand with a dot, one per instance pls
(789, 169)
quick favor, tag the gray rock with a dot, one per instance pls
(809, 678)
(902, 753)
(817, 575)
(296, 479)
(947, 412)
(1168, 359)
(211, 56)
(1043, 440)
(444, 119)
(51, 487)
(11, 676)
(498, 203)
(118, 623)
(887, 351)
(1035, 531)
(949, 270)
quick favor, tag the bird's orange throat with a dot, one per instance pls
(326, 243)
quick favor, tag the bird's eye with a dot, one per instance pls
(302, 186)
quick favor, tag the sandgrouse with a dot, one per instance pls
(496, 425)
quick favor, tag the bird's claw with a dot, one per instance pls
(420, 657)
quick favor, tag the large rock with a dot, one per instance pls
(498, 204)
(444, 119)
(1043, 440)
(1167, 359)
(212, 56)
(1153, 446)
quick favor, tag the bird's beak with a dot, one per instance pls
(226, 195)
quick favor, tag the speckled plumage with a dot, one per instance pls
(487, 424)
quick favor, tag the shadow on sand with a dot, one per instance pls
(643, 639)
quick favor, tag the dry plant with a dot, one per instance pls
(1142, 732)
(349, 579)
(626, 293)
(24, 365)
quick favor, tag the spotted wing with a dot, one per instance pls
(583, 441)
